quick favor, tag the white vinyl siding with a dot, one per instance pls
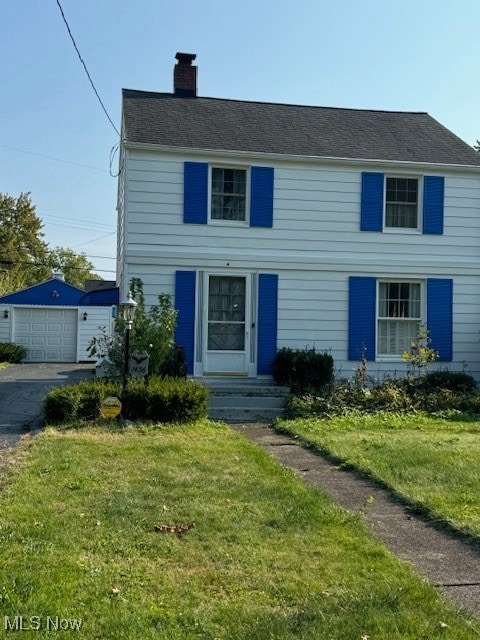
(314, 246)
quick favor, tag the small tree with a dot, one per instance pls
(152, 331)
(421, 354)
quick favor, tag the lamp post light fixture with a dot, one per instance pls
(129, 307)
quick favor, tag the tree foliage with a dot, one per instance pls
(75, 266)
(476, 146)
(23, 251)
(152, 331)
(25, 258)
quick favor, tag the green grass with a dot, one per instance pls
(431, 462)
(269, 557)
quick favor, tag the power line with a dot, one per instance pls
(94, 240)
(44, 264)
(98, 224)
(85, 67)
(79, 225)
(88, 255)
(41, 155)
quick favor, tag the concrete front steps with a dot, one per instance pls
(245, 400)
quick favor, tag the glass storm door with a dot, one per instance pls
(227, 322)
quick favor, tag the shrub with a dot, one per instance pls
(437, 391)
(91, 395)
(175, 364)
(452, 380)
(166, 400)
(61, 405)
(10, 352)
(158, 399)
(303, 369)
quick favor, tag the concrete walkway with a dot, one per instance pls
(449, 561)
(22, 389)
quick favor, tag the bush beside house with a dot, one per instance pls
(165, 400)
(12, 353)
(431, 393)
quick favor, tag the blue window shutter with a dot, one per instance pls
(371, 216)
(433, 204)
(267, 321)
(362, 317)
(195, 192)
(261, 197)
(185, 305)
(440, 316)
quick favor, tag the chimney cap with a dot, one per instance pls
(185, 58)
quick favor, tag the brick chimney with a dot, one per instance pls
(185, 76)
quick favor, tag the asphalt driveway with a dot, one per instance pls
(22, 389)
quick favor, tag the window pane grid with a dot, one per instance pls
(401, 215)
(401, 203)
(396, 336)
(228, 194)
(399, 316)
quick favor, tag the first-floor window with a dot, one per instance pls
(399, 316)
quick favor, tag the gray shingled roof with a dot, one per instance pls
(234, 125)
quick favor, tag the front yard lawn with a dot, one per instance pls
(431, 462)
(268, 557)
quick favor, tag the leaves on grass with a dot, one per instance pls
(174, 528)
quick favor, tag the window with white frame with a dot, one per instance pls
(399, 316)
(229, 188)
(401, 203)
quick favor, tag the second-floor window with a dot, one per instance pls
(229, 194)
(401, 204)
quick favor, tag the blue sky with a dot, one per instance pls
(412, 55)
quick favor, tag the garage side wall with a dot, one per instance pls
(5, 323)
(98, 318)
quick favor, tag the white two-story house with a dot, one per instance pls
(278, 225)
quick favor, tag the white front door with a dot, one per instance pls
(227, 322)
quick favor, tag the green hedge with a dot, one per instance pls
(12, 353)
(302, 369)
(166, 400)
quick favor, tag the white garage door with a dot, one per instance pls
(49, 335)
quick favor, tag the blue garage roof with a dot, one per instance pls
(57, 293)
(100, 298)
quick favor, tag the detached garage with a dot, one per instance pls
(55, 321)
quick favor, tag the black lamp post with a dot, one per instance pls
(129, 307)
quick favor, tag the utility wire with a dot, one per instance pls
(44, 264)
(84, 227)
(94, 240)
(77, 221)
(85, 67)
(41, 155)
